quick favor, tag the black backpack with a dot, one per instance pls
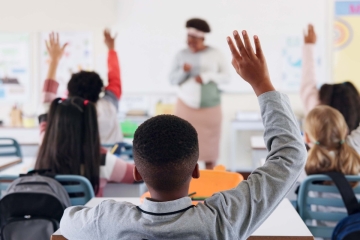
(349, 227)
(32, 207)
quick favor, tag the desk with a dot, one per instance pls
(283, 223)
(6, 162)
(26, 165)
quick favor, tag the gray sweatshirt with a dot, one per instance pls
(233, 214)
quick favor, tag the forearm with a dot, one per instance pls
(248, 205)
(179, 77)
(309, 93)
(114, 74)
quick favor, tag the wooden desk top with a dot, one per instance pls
(6, 162)
(283, 223)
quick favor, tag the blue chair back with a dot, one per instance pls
(9, 147)
(79, 188)
(310, 196)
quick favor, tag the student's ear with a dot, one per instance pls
(137, 175)
(196, 172)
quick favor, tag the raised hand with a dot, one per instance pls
(310, 35)
(109, 41)
(250, 65)
(54, 48)
(187, 67)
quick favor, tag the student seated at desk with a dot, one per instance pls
(71, 142)
(88, 85)
(166, 152)
(341, 96)
(325, 133)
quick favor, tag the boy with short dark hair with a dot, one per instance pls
(166, 153)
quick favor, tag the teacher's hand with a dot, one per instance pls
(249, 65)
(187, 67)
(198, 79)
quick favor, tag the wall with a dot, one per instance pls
(34, 16)
(94, 15)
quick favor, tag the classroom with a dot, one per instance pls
(181, 119)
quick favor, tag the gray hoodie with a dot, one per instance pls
(232, 214)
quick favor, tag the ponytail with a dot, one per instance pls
(71, 144)
(91, 145)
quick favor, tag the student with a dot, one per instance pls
(88, 85)
(71, 142)
(166, 152)
(326, 131)
(342, 96)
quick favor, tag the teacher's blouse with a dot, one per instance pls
(213, 70)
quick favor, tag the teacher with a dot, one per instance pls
(197, 70)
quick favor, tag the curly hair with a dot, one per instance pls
(166, 151)
(87, 85)
(345, 98)
(198, 24)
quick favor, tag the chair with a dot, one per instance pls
(310, 197)
(9, 147)
(210, 182)
(79, 188)
(213, 181)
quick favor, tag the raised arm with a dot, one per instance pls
(113, 90)
(50, 87)
(247, 206)
(55, 51)
(179, 73)
(309, 93)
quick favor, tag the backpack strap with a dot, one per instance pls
(347, 194)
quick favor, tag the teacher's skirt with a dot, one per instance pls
(207, 122)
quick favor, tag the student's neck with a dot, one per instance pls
(159, 196)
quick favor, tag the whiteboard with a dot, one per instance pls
(151, 32)
(15, 73)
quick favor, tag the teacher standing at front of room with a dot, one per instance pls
(197, 71)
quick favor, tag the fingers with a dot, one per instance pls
(57, 38)
(233, 49)
(47, 45)
(63, 47)
(240, 44)
(259, 52)
(248, 47)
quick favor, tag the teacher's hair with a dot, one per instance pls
(198, 24)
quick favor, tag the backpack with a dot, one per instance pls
(349, 227)
(32, 207)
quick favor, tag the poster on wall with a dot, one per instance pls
(78, 56)
(291, 63)
(15, 74)
(346, 42)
